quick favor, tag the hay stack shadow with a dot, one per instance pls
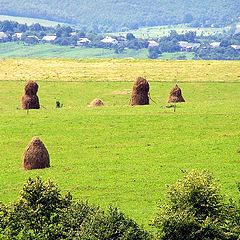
(176, 95)
(140, 92)
(36, 155)
(96, 103)
(30, 99)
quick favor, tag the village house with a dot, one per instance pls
(188, 47)
(236, 47)
(109, 40)
(83, 42)
(152, 44)
(17, 36)
(215, 44)
(49, 38)
(3, 36)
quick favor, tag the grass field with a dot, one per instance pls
(54, 51)
(30, 21)
(160, 31)
(120, 154)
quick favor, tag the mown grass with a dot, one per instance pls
(118, 154)
(118, 70)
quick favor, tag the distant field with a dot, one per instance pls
(160, 31)
(29, 21)
(55, 51)
(120, 154)
(118, 70)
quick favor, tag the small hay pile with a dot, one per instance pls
(36, 155)
(30, 99)
(176, 95)
(140, 92)
(96, 103)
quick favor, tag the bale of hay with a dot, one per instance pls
(140, 92)
(96, 103)
(176, 95)
(36, 155)
(30, 102)
(30, 99)
(31, 88)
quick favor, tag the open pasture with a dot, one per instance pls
(161, 31)
(118, 154)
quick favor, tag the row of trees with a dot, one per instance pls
(195, 211)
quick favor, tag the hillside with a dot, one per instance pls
(116, 14)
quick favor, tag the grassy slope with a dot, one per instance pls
(29, 21)
(119, 154)
(53, 51)
(160, 31)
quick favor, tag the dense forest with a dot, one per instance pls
(111, 15)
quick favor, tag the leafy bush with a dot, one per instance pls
(43, 213)
(196, 211)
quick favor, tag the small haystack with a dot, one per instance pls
(36, 155)
(176, 95)
(30, 99)
(140, 92)
(96, 103)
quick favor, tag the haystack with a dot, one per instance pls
(176, 95)
(36, 155)
(96, 103)
(140, 92)
(30, 99)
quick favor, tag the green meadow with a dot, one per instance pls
(21, 50)
(29, 21)
(118, 154)
(160, 31)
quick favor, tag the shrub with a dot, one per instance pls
(43, 213)
(195, 210)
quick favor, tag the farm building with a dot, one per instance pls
(49, 38)
(109, 40)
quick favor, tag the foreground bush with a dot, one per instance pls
(43, 213)
(196, 211)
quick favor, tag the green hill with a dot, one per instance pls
(117, 14)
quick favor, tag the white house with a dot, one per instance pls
(109, 40)
(188, 47)
(3, 35)
(236, 47)
(17, 35)
(215, 44)
(83, 41)
(49, 38)
(152, 44)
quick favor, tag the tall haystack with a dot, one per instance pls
(96, 103)
(36, 155)
(140, 92)
(30, 99)
(176, 95)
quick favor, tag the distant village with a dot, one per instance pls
(223, 47)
